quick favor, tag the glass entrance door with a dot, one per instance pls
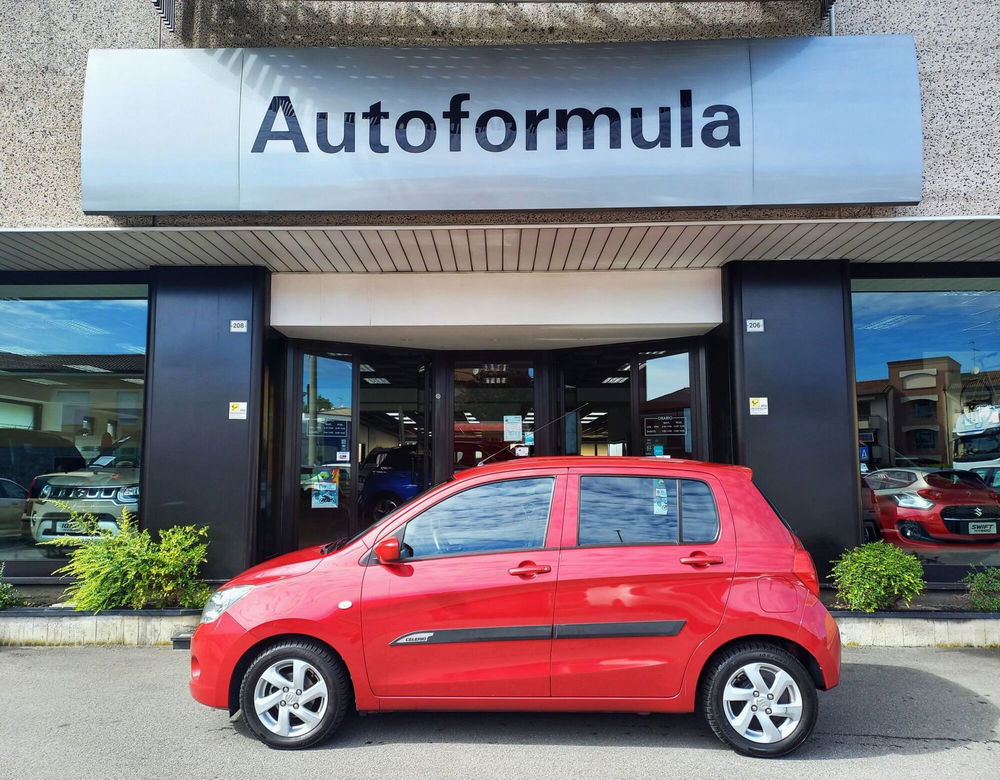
(494, 412)
(327, 456)
(394, 431)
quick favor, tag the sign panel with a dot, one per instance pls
(671, 424)
(656, 124)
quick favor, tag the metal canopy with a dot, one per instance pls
(505, 248)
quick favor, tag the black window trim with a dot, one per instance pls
(400, 532)
(680, 512)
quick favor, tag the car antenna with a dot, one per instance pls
(541, 428)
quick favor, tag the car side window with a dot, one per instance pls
(508, 515)
(645, 510)
(12, 490)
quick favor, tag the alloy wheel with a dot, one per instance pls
(290, 698)
(762, 702)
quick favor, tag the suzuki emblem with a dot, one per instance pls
(978, 511)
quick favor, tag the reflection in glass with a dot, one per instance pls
(628, 510)
(393, 437)
(510, 515)
(327, 450)
(928, 393)
(71, 378)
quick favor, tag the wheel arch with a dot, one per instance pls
(236, 678)
(799, 652)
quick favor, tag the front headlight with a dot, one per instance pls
(222, 600)
(912, 501)
(129, 494)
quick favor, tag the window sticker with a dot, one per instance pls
(661, 505)
(325, 488)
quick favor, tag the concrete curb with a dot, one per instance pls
(48, 626)
(919, 629)
(114, 627)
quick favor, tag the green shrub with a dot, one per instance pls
(984, 589)
(876, 576)
(128, 569)
(8, 595)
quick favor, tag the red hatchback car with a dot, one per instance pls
(923, 508)
(555, 584)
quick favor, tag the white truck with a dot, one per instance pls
(977, 437)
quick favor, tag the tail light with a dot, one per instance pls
(804, 569)
(27, 498)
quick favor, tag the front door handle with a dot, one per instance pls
(529, 569)
(700, 559)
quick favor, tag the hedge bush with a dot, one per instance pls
(9, 596)
(984, 589)
(129, 570)
(877, 575)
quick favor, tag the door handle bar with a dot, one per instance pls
(701, 560)
(529, 570)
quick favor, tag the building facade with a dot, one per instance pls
(279, 266)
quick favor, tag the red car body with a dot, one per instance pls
(933, 509)
(575, 602)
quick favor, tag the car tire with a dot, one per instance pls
(384, 503)
(283, 676)
(727, 697)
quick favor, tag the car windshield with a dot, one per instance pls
(982, 446)
(124, 453)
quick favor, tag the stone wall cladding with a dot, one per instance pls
(44, 44)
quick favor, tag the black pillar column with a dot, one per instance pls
(200, 466)
(804, 452)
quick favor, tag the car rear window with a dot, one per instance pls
(947, 479)
(645, 510)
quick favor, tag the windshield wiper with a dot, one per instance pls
(336, 544)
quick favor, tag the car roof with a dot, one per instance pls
(612, 462)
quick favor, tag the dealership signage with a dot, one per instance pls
(690, 123)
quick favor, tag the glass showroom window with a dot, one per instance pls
(72, 363)
(927, 359)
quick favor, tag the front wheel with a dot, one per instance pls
(294, 695)
(759, 700)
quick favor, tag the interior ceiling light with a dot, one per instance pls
(377, 380)
(89, 369)
(393, 414)
(135, 381)
(614, 380)
(367, 368)
(40, 381)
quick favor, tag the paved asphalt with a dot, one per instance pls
(125, 712)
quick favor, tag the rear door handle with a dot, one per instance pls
(700, 559)
(529, 569)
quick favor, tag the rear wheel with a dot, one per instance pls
(759, 700)
(294, 695)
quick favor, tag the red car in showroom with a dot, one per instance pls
(546, 584)
(926, 508)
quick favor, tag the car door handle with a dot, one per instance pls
(700, 559)
(529, 569)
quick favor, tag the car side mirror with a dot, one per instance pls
(387, 551)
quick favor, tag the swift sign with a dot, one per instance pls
(827, 120)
